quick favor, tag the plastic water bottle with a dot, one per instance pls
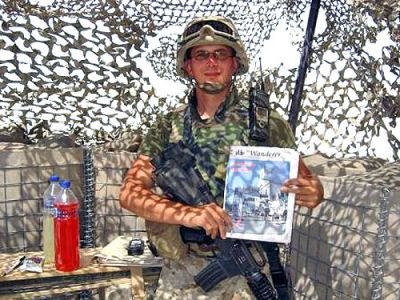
(66, 229)
(48, 214)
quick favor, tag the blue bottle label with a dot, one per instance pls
(48, 204)
(64, 214)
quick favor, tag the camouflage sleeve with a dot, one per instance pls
(156, 138)
(281, 133)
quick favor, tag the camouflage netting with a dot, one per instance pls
(99, 67)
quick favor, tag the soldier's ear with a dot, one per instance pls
(236, 65)
(188, 68)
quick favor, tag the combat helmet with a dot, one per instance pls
(212, 30)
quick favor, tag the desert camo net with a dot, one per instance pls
(95, 67)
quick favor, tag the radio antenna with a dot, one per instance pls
(261, 77)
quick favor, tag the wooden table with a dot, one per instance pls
(91, 275)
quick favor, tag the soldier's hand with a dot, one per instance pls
(213, 218)
(307, 187)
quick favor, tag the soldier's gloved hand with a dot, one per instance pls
(211, 217)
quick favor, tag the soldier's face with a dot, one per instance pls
(211, 64)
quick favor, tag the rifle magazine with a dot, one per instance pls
(210, 276)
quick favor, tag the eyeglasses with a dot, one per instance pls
(220, 55)
(216, 25)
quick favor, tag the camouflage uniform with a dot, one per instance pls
(214, 136)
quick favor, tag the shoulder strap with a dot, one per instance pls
(187, 127)
(201, 155)
(276, 269)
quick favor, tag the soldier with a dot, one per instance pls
(210, 54)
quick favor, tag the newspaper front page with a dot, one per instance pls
(259, 210)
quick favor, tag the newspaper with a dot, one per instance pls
(259, 210)
(116, 254)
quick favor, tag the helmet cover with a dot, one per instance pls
(213, 30)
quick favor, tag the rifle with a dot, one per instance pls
(175, 172)
(234, 259)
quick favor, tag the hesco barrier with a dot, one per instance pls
(111, 219)
(346, 248)
(24, 174)
(23, 179)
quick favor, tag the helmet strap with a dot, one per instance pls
(213, 88)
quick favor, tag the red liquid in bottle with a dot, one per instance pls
(66, 233)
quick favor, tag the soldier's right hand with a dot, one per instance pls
(213, 218)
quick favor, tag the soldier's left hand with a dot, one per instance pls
(307, 187)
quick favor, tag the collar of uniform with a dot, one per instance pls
(230, 100)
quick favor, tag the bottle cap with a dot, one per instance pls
(65, 184)
(54, 178)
